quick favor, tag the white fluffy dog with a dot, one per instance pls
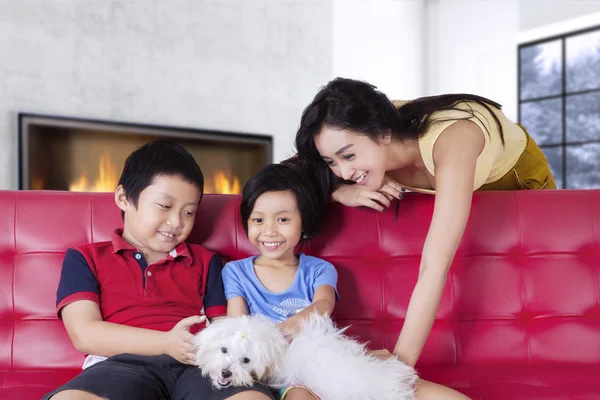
(337, 367)
(236, 351)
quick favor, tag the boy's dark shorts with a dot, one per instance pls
(131, 377)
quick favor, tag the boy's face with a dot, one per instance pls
(164, 216)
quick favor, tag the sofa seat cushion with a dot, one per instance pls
(33, 384)
(520, 382)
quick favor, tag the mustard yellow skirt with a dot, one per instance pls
(531, 171)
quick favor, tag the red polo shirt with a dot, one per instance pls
(131, 292)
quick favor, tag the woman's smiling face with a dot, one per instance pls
(353, 156)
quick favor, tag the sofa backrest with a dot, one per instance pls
(524, 287)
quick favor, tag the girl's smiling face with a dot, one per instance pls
(275, 225)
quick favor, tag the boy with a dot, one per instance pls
(130, 302)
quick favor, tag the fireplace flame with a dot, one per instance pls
(107, 178)
(221, 184)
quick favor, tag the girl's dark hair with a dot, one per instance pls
(279, 178)
(360, 107)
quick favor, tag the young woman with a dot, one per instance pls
(448, 145)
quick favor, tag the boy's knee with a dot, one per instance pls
(75, 395)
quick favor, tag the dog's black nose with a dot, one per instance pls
(225, 373)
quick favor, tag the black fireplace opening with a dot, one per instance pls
(86, 155)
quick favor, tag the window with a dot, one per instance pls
(559, 104)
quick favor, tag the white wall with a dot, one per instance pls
(539, 13)
(472, 44)
(248, 66)
(559, 28)
(471, 48)
(381, 42)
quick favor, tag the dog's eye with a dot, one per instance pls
(245, 360)
(224, 350)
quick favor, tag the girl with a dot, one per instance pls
(279, 210)
(449, 145)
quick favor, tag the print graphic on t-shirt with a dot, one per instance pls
(289, 307)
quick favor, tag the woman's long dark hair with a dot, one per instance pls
(320, 175)
(360, 107)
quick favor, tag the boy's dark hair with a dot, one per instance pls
(158, 158)
(278, 177)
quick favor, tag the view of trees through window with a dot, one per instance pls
(559, 104)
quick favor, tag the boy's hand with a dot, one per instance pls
(178, 343)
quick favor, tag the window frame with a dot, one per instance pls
(563, 95)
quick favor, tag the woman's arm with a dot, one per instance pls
(353, 195)
(455, 155)
(323, 303)
(335, 189)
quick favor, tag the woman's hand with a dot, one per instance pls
(391, 189)
(359, 195)
(382, 354)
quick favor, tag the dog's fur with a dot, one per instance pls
(335, 367)
(320, 357)
(239, 351)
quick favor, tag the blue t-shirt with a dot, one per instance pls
(239, 279)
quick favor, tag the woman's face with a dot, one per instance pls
(353, 156)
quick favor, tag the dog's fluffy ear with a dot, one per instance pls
(272, 347)
(205, 341)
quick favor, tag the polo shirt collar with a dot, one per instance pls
(119, 244)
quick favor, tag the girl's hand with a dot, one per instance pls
(359, 195)
(286, 331)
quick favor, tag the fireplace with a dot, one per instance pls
(60, 153)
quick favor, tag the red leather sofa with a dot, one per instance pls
(519, 319)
